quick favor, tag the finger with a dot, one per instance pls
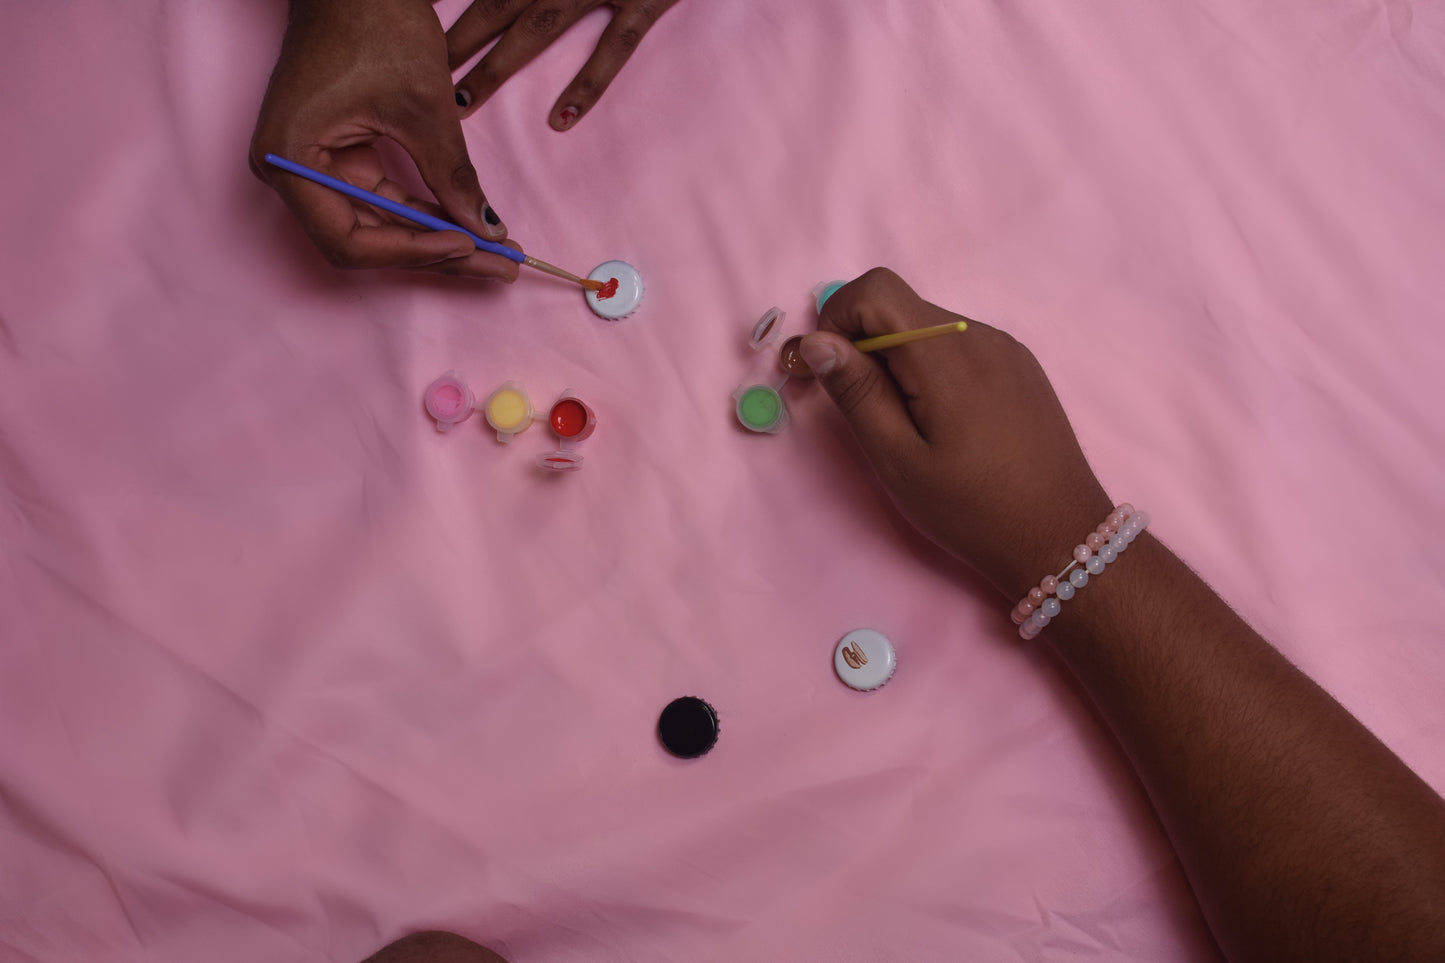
(479, 264)
(341, 232)
(876, 302)
(439, 151)
(864, 393)
(927, 373)
(479, 25)
(476, 265)
(616, 44)
(390, 246)
(444, 252)
(534, 29)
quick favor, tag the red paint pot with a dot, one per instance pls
(571, 420)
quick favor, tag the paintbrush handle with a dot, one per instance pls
(555, 271)
(390, 206)
(905, 337)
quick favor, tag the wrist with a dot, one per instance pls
(1089, 559)
(1044, 541)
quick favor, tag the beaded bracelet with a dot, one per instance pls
(1103, 545)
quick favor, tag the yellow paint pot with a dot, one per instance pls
(509, 410)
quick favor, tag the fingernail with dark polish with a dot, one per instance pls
(490, 216)
(464, 99)
(568, 115)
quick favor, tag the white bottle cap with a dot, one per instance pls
(629, 290)
(865, 659)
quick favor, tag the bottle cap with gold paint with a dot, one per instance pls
(865, 659)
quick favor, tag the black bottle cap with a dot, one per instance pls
(688, 727)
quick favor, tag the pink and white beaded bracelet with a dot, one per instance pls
(1103, 545)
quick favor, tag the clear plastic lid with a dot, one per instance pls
(560, 460)
(768, 329)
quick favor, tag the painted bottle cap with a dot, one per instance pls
(571, 419)
(688, 727)
(449, 400)
(768, 329)
(509, 410)
(760, 408)
(825, 290)
(628, 294)
(865, 659)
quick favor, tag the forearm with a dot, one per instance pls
(1302, 835)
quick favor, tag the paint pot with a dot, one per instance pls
(825, 290)
(509, 411)
(449, 400)
(627, 297)
(573, 422)
(760, 408)
(790, 358)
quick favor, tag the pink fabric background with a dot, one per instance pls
(285, 673)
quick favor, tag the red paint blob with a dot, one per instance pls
(608, 290)
(568, 418)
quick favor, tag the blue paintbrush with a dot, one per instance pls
(425, 219)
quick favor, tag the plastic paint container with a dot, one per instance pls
(768, 329)
(449, 400)
(571, 419)
(573, 422)
(790, 358)
(760, 408)
(509, 411)
(825, 290)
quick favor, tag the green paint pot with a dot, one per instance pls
(760, 408)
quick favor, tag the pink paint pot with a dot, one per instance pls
(449, 400)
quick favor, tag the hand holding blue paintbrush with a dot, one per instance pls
(425, 219)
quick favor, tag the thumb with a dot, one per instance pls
(440, 153)
(863, 391)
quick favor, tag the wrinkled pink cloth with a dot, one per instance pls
(286, 673)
